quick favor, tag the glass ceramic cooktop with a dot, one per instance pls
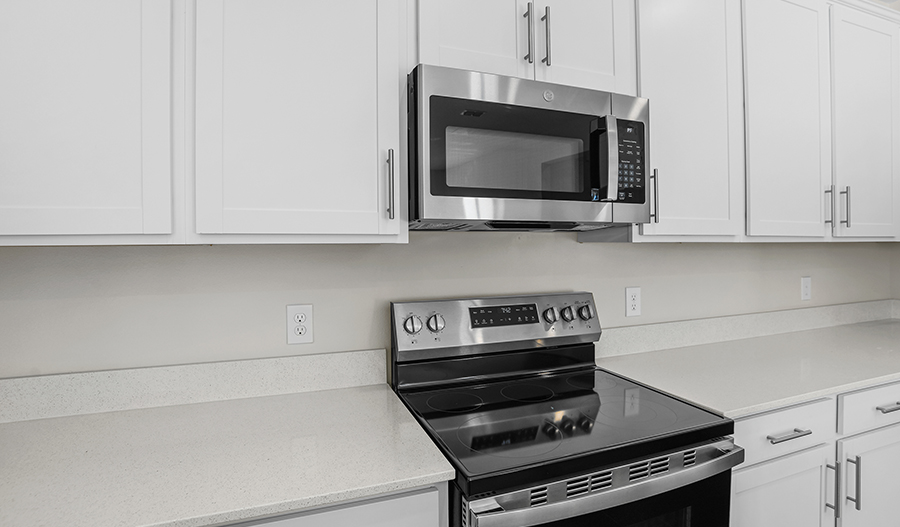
(503, 425)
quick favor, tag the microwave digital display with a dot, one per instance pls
(492, 316)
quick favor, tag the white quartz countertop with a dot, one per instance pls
(206, 463)
(748, 376)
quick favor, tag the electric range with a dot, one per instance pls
(508, 389)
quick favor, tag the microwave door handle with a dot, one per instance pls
(612, 147)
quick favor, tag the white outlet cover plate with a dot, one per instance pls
(300, 324)
(632, 307)
(806, 288)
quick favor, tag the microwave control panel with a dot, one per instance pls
(632, 176)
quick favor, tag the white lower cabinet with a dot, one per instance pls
(418, 509)
(847, 478)
(871, 464)
(785, 479)
(788, 491)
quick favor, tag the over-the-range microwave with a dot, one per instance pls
(500, 153)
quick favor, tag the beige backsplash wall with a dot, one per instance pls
(68, 309)
(895, 272)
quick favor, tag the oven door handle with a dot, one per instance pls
(488, 512)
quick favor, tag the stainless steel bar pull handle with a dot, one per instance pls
(847, 192)
(888, 408)
(529, 14)
(830, 193)
(655, 215)
(837, 490)
(858, 499)
(798, 432)
(390, 162)
(546, 19)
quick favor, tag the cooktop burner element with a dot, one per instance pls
(527, 393)
(454, 402)
(512, 403)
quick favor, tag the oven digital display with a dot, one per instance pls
(492, 316)
(502, 439)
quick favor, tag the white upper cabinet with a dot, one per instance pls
(585, 43)
(85, 119)
(788, 99)
(690, 68)
(866, 70)
(298, 113)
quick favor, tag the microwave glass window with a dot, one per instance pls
(497, 159)
(486, 149)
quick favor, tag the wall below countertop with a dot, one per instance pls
(72, 309)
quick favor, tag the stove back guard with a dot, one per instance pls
(444, 342)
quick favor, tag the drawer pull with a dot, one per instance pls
(888, 408)
(798, 432)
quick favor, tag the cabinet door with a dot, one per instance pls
(787, 111)
(866, 62)
(490, 37)
(297, 107)
(690, 69)
(791, 490)
(591, 44)
(871, 462)
(85, 107)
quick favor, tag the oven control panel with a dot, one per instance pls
(438, 328)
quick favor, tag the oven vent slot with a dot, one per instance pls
(575, 487)
(465, 513)
(648, 468)
(538, 496)
(601, 480)
(690, 457)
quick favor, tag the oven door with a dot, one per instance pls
(494, 148)
(695, 496)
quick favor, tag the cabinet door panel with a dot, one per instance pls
(690, 70)
(85, 102)
(592, 44)
(490, 37)
(866, 121)
(787, 111)
(786, 491)
(879, 453)
(288, 136)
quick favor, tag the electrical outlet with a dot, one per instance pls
(300, 324)
(632, 301)
(806, 288)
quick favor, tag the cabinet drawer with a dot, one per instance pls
(869, 408)
(779, 432)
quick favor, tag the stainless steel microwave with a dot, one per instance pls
(489, 152)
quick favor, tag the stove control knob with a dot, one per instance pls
(551, 431)
(585, 424)
(585, 312)
(412, 324)
(436, 323)
(567, 314)
(550, 315)
(567, 425)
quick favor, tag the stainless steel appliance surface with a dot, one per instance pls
(501, 153)
(507, 388)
